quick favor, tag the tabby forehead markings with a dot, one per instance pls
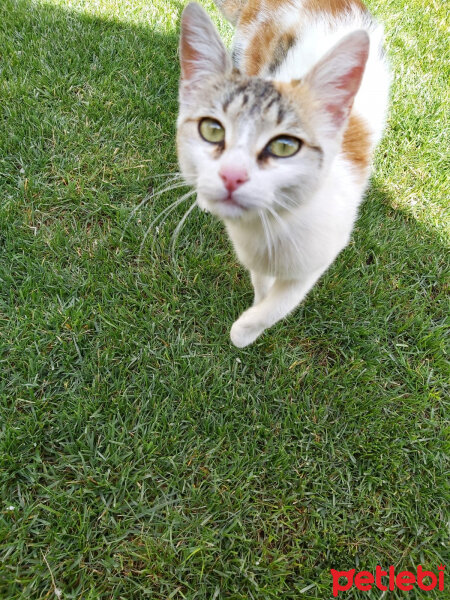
(281, 115)
(257, 96)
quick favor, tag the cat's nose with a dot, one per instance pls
(233, 177)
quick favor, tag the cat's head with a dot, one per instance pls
(249, 144)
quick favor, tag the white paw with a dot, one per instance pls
(245, 330)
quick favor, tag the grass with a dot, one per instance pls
(141, 455)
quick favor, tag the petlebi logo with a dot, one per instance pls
(388, 580)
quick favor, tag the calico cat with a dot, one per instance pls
(278, 138)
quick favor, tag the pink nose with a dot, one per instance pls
(233, 177)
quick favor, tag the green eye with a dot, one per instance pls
(283, 146)
(211, 131)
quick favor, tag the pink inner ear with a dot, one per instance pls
(349, 84)
(336, 78)
(202, 53)
(188, 58)
(351, 80)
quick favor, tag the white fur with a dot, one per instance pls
(286, 251)
(320, 35)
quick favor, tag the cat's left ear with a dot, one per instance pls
(336, 78)
(202, 52)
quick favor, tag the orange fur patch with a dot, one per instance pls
(268, 44)
(356, 144)
(297, 92)
(231, 9)
(277, 3)
(260, 49)
(250, 12)
(332, 7)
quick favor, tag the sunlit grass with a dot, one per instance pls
(140, 453)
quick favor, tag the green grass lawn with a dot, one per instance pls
(141, 454)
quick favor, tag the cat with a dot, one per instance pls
(277, 139)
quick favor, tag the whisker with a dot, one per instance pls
(267, 235)
(148, 197)
(272, 258)
(168, 209)
(175, 181)
(172, 185)
(179, 227)
(284, 204)
(164, 213)
(174, 174)
(285, 227)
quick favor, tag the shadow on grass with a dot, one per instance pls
(144, 456)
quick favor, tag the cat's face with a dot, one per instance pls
(248, 144)
(245, 146)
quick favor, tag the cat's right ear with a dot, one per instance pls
(202, 52)
(336, 78)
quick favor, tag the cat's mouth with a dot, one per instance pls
(225, 205)
(228, 206)
(231, 201)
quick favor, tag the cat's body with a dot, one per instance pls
(298, 128)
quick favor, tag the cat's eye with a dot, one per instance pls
(211, 131)
(283, 146)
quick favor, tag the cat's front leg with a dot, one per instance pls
(261, 286)
(282, 298)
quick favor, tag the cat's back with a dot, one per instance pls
(284, 39)
(268, 30)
